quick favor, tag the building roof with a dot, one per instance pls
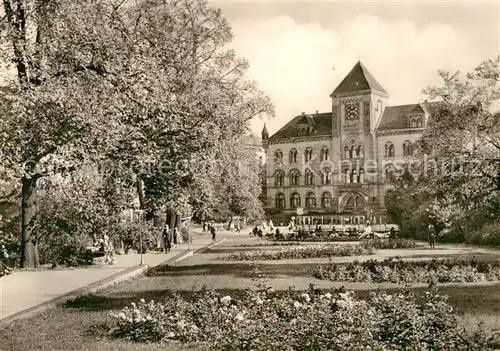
(395, 117)
(359, 78)
(321, 124)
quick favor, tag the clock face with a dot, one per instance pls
(351, 111)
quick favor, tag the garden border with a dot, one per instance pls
(119, 277)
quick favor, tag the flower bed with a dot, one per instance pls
(383, 244)
(317, 251)
(269, 244)
(324, 237)
(301, 252)
(397, 270)
(266, 320)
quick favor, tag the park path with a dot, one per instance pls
(22, 290)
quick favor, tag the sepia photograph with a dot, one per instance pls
(249, 175)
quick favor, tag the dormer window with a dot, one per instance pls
(416, 122)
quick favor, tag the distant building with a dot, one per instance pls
(336, 163)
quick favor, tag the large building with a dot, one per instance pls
(335, 163)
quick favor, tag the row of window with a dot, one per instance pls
(326, 177)
(354, 203)
(326, 200)
(308, 155)
(353, 152)
(407, 149)
(349, 152)
(416, 122)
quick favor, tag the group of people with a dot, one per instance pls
(171, 237)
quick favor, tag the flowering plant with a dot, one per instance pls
(301, 252)
(290, 320)
(396, 270)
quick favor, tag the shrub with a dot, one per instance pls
(301, 252)
(489, 234)
(399, 271)
(378, 244)
(130, 234)
(267, 320)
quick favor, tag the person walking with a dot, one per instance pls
(432, 235)
(167, 238)
(213, 232)
(178, 236)
(238, 227)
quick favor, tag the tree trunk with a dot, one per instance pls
(178, 220)
(171, 223)
(29, 243)
(140, 191)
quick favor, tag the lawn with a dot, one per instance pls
(82, 324)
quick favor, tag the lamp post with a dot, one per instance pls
(139, 215)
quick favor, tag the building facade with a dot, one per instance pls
(338, 163)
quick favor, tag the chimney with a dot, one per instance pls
(317, 112)
(303, 113)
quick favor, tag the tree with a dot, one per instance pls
(56, 114)
(237, 181)
(102, 80)
(459, 175)
(464, 134)
(199, 103)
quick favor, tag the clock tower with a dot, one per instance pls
(357, 104)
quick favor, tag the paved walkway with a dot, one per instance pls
(25, 289)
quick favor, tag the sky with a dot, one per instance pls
(300, 51)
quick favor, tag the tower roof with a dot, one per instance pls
(359, 78)
(264, 130)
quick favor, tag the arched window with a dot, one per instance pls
(354, 203)
(309, 177)
(416, 122)
(360, 152)
(353, 152)
(279, 178)
(407, 148)
(294, 177)
(361, 176)
(347, 176)
(278, 156)
(389, 149)
(347, 152)
(326, 200)
(354, 176)
(293, 156)
(308, 154)
(326, 176)
(311, 200)
(280, 200)
(325, 154)
(295, 200)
